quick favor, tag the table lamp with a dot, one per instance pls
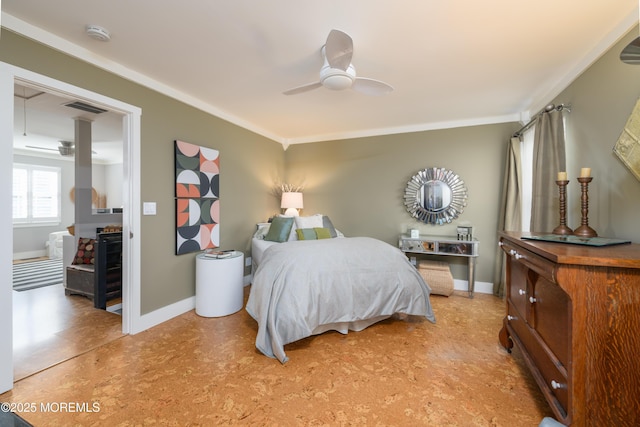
(291, 201)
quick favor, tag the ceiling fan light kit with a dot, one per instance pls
(336, 79)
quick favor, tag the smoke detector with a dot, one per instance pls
(98, 33)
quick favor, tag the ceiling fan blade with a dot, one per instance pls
(339, 50)
(303, 88)
(371, 87)
(631, 53)
(41, 148)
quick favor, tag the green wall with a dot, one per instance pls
(248, 164)
(360, 183)
(602, 99)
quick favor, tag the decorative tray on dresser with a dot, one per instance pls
(574, 313)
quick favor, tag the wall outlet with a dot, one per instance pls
(247, 261)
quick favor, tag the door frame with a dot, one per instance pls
(131, 317)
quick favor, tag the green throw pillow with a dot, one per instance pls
(306, 234)
(322, 233)
(279, 229)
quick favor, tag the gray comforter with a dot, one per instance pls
(302, 288)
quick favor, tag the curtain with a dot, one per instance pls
(548, 160)
(510, 209)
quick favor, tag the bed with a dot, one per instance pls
(304, 286)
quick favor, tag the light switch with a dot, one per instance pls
(149, 208)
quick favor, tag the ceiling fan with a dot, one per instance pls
(337, 72)
(66, 148)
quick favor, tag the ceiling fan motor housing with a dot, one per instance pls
(337, 79)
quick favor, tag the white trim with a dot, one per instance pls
(478, 288)
(30, 254)
(163, 314)
(6, 230)
(131, 320)
(405, 129)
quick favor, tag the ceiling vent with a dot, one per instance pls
(86, 107)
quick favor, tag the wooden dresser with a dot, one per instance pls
(574, 312)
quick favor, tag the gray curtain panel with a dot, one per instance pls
(511, 207)
(548, 159)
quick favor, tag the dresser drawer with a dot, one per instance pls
(551, 318)
(551, 378)
(517, 292)
(540, 265)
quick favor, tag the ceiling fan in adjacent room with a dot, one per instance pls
(66, 148)
(337, 72)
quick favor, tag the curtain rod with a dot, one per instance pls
(549, 108)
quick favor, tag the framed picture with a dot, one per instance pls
(197, 190)
(627, 147)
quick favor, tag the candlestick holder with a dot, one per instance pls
(562, 228)
(584, 230)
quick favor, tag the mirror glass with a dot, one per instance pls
(435, 196)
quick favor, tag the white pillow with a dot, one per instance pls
(313, 221)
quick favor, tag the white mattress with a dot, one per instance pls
(258, 246)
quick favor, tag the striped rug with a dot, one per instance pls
(37, 274)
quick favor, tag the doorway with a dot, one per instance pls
(9, 76)
(53, 324)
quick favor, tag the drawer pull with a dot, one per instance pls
(556, 385)
(522, 291)
(500, 243)
(515, 254)
(532, 300)
(510, 317)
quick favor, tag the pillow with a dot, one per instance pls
(326, 223)
(262, 231)
(322, 233)
(279, 229)
(306, 234)
(86, 249)
(312, 221)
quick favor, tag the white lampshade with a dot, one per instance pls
(291, 201)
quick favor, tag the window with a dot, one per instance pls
(36, 194)
(526, 153)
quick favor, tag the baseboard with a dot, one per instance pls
(163, 314)
(30, 254)
(479, 287)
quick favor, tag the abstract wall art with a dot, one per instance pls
(197, 197)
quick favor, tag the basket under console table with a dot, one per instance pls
(446, 246)
(572, 311)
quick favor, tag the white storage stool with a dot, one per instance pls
(219, 285)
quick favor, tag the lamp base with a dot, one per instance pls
(292, 212)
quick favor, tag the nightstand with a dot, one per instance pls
(219, 285)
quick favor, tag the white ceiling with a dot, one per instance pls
(41, 120)
(452, 63)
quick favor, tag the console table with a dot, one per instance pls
(443, 245)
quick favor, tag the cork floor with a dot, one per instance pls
(199, 371)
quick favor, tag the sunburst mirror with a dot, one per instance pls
(435, 196)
